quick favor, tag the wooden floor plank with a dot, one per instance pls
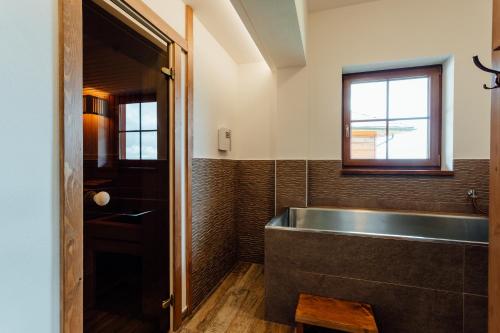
(206, 313)
(238, 295)
(236, 306)
(97, 321)
(248, 314)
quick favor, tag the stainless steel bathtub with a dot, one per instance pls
(387, 224)
(416, 266)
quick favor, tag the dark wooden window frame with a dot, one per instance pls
(122, 142)
(434, 73)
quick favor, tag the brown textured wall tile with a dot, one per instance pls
(291, 184)
(475, 314)
(255, 207)
(214, 235)
(233, 201)
(327, 187)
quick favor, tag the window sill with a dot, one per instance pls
(422, 172)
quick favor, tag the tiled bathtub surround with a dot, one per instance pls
(291, 184)
(233, 200)
(254, 203)
(414, 286)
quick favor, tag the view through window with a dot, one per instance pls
(392, 117)
(138, 131)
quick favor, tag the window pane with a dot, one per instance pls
(408, 98)
(409, 139)
(131, 145)
(131, 118)
(368, 100)
(149, 146)
(368, 140)
(148, 116)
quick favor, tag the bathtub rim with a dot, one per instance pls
(272, 225)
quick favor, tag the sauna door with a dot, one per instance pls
(126, 154)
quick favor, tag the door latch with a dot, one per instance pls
(168, 302)
(169, 72)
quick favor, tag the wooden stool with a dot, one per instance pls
(334, 314)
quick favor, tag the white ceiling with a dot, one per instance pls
(317, 5)
(276, 28)
(222, 21)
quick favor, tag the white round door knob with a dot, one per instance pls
(102, 198)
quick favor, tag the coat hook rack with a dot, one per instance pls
(482, 67)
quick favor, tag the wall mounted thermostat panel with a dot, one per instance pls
(224, 139)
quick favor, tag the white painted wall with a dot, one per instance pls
(29, 172)
(306, 102)
(220, 18)
(227, 94)
(386, 31)
(256, 103)
(172, 11)
(215, 94)
(291, 120)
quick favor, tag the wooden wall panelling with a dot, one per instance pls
(90, 136)
(162, 104)
(97, 139)
(107, 67)
(494, 233)
(71, 165)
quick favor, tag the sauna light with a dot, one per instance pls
(95, 105)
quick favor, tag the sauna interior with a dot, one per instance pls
(125, 177)
(250, 166)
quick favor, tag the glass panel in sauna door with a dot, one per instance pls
(125, 123)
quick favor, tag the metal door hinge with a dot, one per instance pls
(169, 72)
(168, 302)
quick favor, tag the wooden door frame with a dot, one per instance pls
(494, 209)
(71, 159)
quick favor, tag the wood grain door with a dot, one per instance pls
(494, 247)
